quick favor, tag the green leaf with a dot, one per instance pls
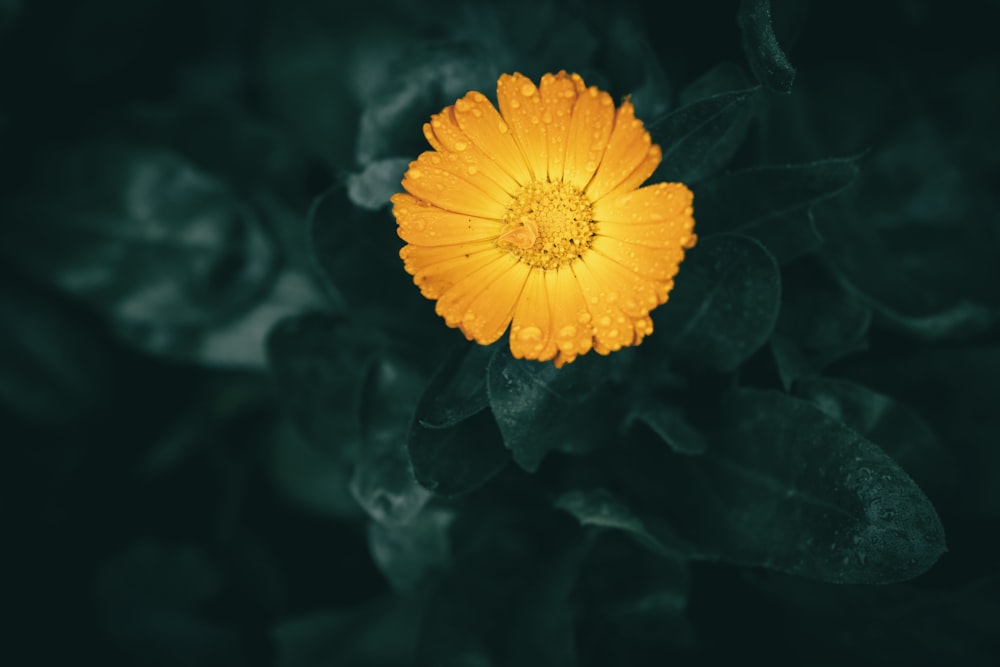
(895, 427)
(740, 200)
(408, 554)
(318, 363)
(768, 61)
(820, 323)
(458, 390)
(722, 78)
(601, 509)
(724, 306)
(539, 407)
(669, 425)
(786, 487)
(698, 139)
(458, 459)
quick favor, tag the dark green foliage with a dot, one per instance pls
(237, 434)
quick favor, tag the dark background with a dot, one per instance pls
(180, 182)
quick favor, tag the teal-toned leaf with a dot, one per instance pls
(724, 306)
(669, 425)
(383, 481)
(407, 554)
(318, 363)
(601, 509)
(539, 407)
(742, 199)
(722, 78)
(786, 487)
(768, 61)
(892, 425)
(458, 390)
(698, 139)
(820, 323)
(458, 459)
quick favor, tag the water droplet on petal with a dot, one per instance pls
(605, 321)
(529, 334)
(583, 317)
(514, 104)
(461, 145)
(527, 90)
(415, 173)
(567, 331)
(472, 170)
(502, 127)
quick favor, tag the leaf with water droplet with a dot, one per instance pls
(784, 486)
(768, 61)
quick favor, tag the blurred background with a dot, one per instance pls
(210, 356)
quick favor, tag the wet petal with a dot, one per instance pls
(424, 224)
(531, 333)
(446, 190)
(521, 106)
(488, 316)
(628, 147)
(638, 176)
(589, 131)
(435, 269)
(613, 329)
(660, 202)
(444, 134)
(571, 320)
(559, 93)
(479, 119)
(658, 264)
(455, 303)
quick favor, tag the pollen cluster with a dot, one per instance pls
(547, 224)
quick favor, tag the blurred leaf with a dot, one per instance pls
(383, 481)
(698, 139)
(740, 200)
(56, 368)
(458, 459)
(318, 363)
(601, 509)
(724, 306)
(722, 78)
(161, 249)
(375, 184)
(408, 553)
(539, 407)
(458, 390)
(895, 427)
(819, 324)
(768, 61)
(669, 425)
(785, 487)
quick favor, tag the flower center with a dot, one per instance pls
(547, 224)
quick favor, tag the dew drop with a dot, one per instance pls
(477, 113)
(502, 127)
(472, 170)
(527, 90)
(529, 334)
(583, 317)
(605, 321)
(567, 331)
(612, 297)
(461, 145)
(514, 104)
(415, 173)
(613, 333)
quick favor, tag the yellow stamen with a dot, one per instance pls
(547, 224)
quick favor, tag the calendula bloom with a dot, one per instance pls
(535, 214)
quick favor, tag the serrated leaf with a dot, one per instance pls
(698, 139)
(724, 306)
(785, 487)
(768, 61)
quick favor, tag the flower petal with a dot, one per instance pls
(571, 320)
(613, 329)
(531, 335)
(627, 148)
(436, 269)
(559, 93)
(589, 131)
(455, 303)
(478, 118)
(660, 202)
(638, 176)
(521, 106)
(446, 190)
(490, 313)
(659, 264)
(444, 134)
(424, 224)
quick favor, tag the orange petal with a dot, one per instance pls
(660, 202)
(638, 176)
(613, 329)
(659, 264)
(531, 335)
(571, 320)
(490, 312)
(424, 224)
(589, 131)
(521, 106)
(559, 93)
(444, 134)
(431, 162)
(436, 269)
(454, 304)
(478, 118)
(627, 148)
(446, 190)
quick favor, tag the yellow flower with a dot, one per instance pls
(534, 214)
